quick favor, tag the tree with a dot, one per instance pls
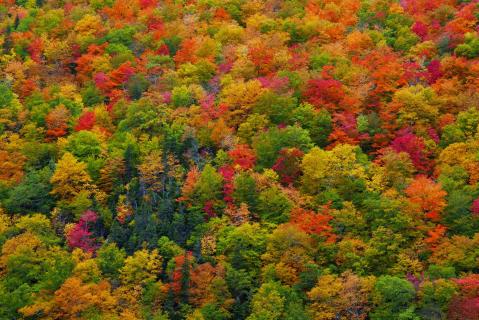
(30, 265)
(84, 145)
(39, 225)
(397, 169)
(277, 108)
(209, 186)
(75, 299)
(392, 297)
(251, 126)
(141, 268)
(189, 184)
(243, 157)
(79, 234)
(70, 178)
(318, 123)
(313, 223)
(240, 98)
(464, 305)
(32, 194)
(12, 161)
(273, 301)
(11, 171)
(435, 297)
(186, 52)
(325, 93)
(57, 122)
(331, 169)
(268, 144)
(243, 246)
(136, 85)
(267, 303)
(110, 260)
(207, 286)
(414, 146)
(152, 171)
(346, 296)
(240, 215)
(288, 165)
(273, 206)
(112, 173)
(289, 253)
(245, 191)
(86, 121)
(457, 251)
(181, 277)
(428, 195)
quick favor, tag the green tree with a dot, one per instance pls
(393, 297)
(268, 144)
(209, 185)
(273, 206)
(274, 301)
(110, 260)
(32, 194)
(318, 123)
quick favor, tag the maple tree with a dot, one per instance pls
(79, 235)
(242, 157)
(464, 305)
(428, 196)
(313, 223)
(86, 121)
(414, 146)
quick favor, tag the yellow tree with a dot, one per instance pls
(240, 98)
(288, 252)
(330, 169)
(415, 105)
(151, 171)
(141, 268)
(460, 155)
(5, 221)
(70, 178)
(341, 297)
(75, 300)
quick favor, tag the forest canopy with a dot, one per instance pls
(239, 159)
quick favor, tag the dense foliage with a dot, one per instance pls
(239, 159)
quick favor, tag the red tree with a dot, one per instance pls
(327, 93)
(243, 157)
(35, 50)
(228, 173)
(414, 146)
(186, 52)
(86, 121)
(80, 235)
(180, 277)
(475, 207)
(313, 223)
(288, 165)
(465, 306)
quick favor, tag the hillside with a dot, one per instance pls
(239, 159)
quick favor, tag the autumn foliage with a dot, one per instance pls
(239, 159)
